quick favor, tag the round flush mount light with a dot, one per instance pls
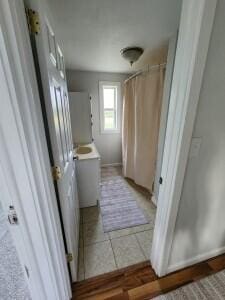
(132, 54)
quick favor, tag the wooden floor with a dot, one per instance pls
(140, 282)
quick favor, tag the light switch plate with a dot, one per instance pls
(195, 146)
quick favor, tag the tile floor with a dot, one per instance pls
(101, 252)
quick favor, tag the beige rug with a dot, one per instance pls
(209, 288)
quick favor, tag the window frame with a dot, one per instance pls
(117, 110)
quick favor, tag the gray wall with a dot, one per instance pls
(109, 145)
(200, 225)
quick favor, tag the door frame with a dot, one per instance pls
(193, 42)
(27, 112)
(164, 114)
(31, 127)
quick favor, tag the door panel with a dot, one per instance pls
(61, 121)
(51, 45)
(56, 106)
(57, 112)
(67, 107)
(66, 123)
(60, 62)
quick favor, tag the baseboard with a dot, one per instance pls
(195, 260)
(111, 165)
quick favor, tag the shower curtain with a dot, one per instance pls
(140, 126)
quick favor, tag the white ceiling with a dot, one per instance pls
(94, 31)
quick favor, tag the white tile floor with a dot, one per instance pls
(101, 252)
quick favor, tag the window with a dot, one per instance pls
(109, 95)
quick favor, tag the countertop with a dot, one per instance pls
(92, 155)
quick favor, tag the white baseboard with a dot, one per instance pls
(111, 165)
(195, 260)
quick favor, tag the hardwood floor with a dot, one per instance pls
(140, 282)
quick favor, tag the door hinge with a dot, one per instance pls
(69, 257)
(33, 21)
(56, 173)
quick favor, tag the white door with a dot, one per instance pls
(53, 91)
(18, 190)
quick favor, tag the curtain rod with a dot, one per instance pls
(142, 71)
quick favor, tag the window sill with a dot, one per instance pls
(110, 132)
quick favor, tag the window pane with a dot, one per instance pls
(109, 119)
(109, 97)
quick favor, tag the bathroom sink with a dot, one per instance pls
(84, 150)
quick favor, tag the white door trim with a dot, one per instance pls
(164, 113)
(192, 47)
(27, 112)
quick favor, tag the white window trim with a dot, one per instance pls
(101, 111)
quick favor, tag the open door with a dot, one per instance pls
(50, 70)
(39, 271)
(164, 114)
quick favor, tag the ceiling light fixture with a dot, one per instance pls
(132, 54)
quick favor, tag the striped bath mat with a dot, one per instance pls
(118, 207)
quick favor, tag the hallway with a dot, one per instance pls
(140, 282)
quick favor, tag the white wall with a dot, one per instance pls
(200, 225)
(109, 145)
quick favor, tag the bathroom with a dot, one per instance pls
(115, 235)
(105, 105)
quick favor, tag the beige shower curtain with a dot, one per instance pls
(141, 117)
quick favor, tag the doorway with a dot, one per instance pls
(48, 174)
(141, 209)
(117, 232)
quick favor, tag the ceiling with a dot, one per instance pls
(94, 31)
